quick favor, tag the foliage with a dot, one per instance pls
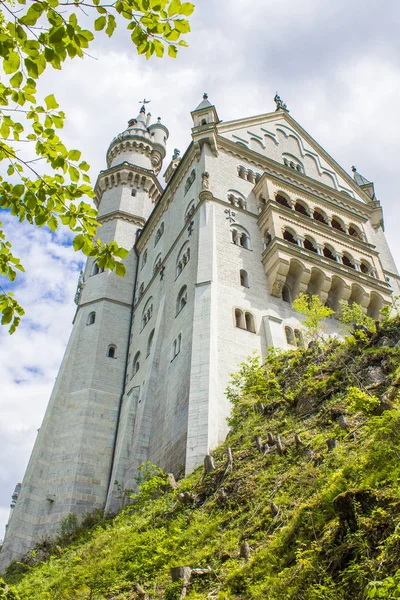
(7, 593)
(310, 548)
(150, 480)
(360, 401)
(35, 36)
(315, 313)
(352, 314)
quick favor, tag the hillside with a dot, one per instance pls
(307, 509)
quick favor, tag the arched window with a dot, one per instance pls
(189, 211)
(183, 258)
(328, 253)
(320, 216)
(91, 318)
(112, 351)
(150, 342)
(244, 278)
(366, 268)
(96, 269)
(189, 181)
(144, 259)
(301, 208)
(299, 338)
(249, 320)
(338, 224)
(157, 264)
(239, 319)
(159, 233)
(282, 200)
(147, 312)
(176, 346)
(290, 339)
(286, 294)
(136, 364)
(240, 237)
(289, 237)
(348, 261)
(354, 231)
(309, 244)
(181, 300)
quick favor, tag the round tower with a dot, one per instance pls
(71, 463)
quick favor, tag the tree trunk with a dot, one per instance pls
(229, 463)
(171, 481)
(279, 445)
(208, 464)
(181, 574)
(139, 590)
(271, 439)
(274, 509)
(245, 551)
(331, 443)
(259, 445)
(298, 441)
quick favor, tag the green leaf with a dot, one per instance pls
(182, 25)
(121, 253)
(120, 269)
(52, 223)
(174, 8)
(16, 80)
(32, 68)
(186, 9)
(51, 102)
(100, 23)
(74, 154)
(11, 64)
(73, 173)
(84, 166)
(172, 51)
(79, 242)
(158, 48)
(111, 25)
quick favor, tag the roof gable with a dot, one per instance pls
(279, 137)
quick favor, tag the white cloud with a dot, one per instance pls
(335, 64)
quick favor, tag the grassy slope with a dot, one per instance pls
(305, 551)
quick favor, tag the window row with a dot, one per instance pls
(176, 348)
(244, 320)
(248, 174)
(240, 237)
(293, 337)
(328, 251)
(237, 201)
(319, 215)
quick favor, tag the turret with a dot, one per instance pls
(141, 144)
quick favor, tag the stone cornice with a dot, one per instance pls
(124, 216)
(280, 172)
(126, 172)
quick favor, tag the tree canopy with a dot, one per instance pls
(44, 182)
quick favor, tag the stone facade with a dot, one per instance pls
(254, 213)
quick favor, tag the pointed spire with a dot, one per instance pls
(358, 178)
(205, 103)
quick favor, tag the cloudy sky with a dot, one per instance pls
(336, 64)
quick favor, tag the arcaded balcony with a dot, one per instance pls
(294, 266)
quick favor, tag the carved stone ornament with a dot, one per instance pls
(205, 179)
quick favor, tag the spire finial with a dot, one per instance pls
(353, 168)
(176, 154)
(143, 102)
(279, 103)
(205, 96)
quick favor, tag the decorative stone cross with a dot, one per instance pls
(190, 228)
(230, 214)
(279, 103)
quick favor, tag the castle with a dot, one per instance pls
(254, 213)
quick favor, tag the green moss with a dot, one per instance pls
(302, 546)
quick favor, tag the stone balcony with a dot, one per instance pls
(292, 269)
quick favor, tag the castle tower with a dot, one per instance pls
(70, 466)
